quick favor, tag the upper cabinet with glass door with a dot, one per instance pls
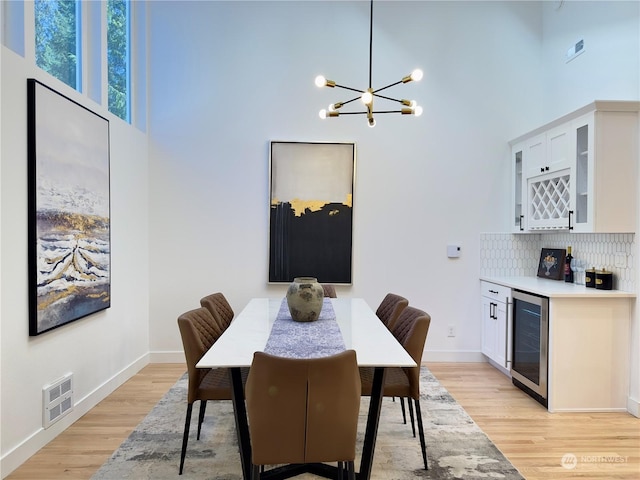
(580, 171)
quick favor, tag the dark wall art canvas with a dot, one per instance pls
(69, 210)
(551, 263)
(311, 211)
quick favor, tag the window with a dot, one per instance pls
(118, 57)
(57, 39)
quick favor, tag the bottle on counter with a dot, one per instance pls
(568, 273)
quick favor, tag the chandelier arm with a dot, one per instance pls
(353, 113)
(384, 111)
(387, 98)
(352, 100)
(349, 88)
(388, 86)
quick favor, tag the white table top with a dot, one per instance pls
(361, 330)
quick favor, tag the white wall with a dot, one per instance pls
(101, 350)
(609, 68)
(228, 77)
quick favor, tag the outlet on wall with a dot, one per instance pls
(621, 260)
(451, 331)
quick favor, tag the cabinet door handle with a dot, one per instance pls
(570, 215)
(541, 169)
(521, 227)
(546, 169)
(493, 291)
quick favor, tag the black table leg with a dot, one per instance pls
(373, 419)
(242, 426)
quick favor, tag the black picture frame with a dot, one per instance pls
(311, 187)
(69, 209)
(551, 264)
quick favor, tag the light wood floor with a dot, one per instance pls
(606, 445)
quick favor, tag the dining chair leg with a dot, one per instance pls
(423, 445)
(203, 407)
(351, 470)
(340, 471)
(413, 424)
(255, 472)
(404, 414)
(185, 437)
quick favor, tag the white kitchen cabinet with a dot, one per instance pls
(496, 330)
(580, 171)
(604, 192)
(588, 345)
(519, 189)
(549, 151)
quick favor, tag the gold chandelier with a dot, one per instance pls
(409, 107)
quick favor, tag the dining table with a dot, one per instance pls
(264, 325)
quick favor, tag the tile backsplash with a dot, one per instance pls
(513, 255)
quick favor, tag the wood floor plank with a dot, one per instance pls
(606, 445)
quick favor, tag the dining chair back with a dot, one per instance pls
(199, 331)
(329, 290)
(410, 329)
(390, 308)
(303, 410)
(219, 307)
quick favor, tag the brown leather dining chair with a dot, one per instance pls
(410, 329)
(329, 290)
(199, 331)
(219, 307)
(390, 308)
(303, 410)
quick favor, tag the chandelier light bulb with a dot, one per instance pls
(416, 75)
(321, 81)
(331, 108)
(322, 114)
(367, 98)
(417, 110)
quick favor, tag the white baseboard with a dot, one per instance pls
(440, 356)
(633, 407)
(18, 455)
(167, 357)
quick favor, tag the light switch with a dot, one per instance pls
(453, 251)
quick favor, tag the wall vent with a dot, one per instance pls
(57, 400)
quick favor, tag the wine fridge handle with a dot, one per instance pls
(507, 350)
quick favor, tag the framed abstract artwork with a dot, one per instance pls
(69, 210)
(551, 264)
(311, 211)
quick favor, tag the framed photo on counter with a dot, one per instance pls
(551, 263)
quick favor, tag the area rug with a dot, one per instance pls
(456, 447)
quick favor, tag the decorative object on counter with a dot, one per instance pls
(578, 266)
(604, 280)
(590, 277)
(304, 299)
(568, 273)
(551, 263)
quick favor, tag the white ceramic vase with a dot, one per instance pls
(304, 298)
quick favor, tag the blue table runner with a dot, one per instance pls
(291, 339)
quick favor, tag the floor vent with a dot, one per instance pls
(57, 400)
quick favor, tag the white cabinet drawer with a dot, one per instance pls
(499, 293)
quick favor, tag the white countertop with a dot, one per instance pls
(555, 288)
